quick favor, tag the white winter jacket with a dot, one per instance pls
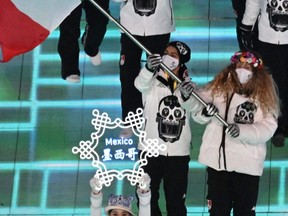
(165, 120)
(271, 28)
(245, 153)
(155, 22)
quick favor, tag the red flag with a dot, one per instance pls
(26, 24)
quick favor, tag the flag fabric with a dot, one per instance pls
(26, 24)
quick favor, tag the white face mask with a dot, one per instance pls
(244, 75)
(170, 62)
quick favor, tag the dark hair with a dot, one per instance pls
(182, 49)
(109, 212)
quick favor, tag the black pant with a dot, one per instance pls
(68, 46)
(130, 65)
(276, 58)
(173, 170)
(227, 190)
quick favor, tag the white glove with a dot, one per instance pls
(233, 130)
(210, 110)
(186, 88)
(144, 182)
(153, 62)
(95, 185)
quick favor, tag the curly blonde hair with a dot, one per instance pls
(260, 88)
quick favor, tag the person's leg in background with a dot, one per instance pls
(130, 65)
(68, 46)
(275, 57)
(156, 43)
(239, 9)
(95, 30)
(285, 50)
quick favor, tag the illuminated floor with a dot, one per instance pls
(42, 118)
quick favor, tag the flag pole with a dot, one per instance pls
(149, 53)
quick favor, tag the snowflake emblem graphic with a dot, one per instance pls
(88, 149)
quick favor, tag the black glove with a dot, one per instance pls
(210, 110)
(153, 62)
(233, 130)
(186, 88)
(246, 36)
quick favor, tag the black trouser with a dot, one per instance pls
(130, 65)
(227, 190)
(239, 8)
(173, 170)
(276, 58)
(68, 46)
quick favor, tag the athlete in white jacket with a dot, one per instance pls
(167, 122)
(245, 96)
(273, 47)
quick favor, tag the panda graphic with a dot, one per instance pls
(170, 118)
(145, 7)
(245, 113)
(278, 14)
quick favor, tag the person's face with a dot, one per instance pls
(119, 212)
(244, 65)
(244, 72)
(172, 51)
